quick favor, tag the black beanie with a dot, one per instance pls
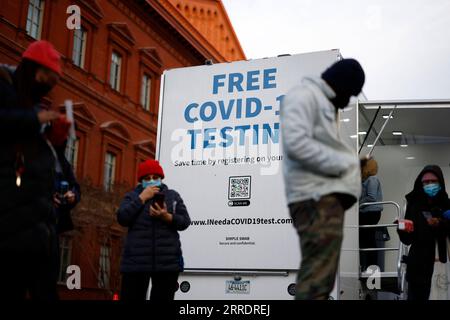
(346, 77)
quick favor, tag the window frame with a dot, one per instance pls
(117, 85)
(65, 243)
(146, 91)
(29, 22)
(83, 51)
(72, 156)
(104, 267)
(108, 183)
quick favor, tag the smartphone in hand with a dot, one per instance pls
(159, 198)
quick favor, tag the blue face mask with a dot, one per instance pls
(432, 189)
(151, 183)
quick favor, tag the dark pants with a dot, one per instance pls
(319, 226)
(419, 291)
(135, 285)
(27, 266)
(367, 238)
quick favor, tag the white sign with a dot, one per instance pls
(219, 142)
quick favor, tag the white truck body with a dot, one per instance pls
(220, 145)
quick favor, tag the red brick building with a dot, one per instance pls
(111, 72)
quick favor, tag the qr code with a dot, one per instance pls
(239, 187)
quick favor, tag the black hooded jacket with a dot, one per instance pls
(421, 258)
(24, 208)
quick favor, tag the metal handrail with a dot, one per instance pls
(365, 204)
(378, 225)
(400, 245)
(379, 249)
(402, 277)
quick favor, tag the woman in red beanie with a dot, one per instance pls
(153, 214)
(27, 168)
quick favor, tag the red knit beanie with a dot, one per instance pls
(43, 53)
(149, 167)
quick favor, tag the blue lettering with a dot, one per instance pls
(235, 80)
(193, 134)
(226, 113)
(204, 108)
(226, 136)
(248, 107)
(255, 134)
(242, 130)
(239, 109)
(267, 132)
(269, 75)
(186, 113)
(217, 84)
(251, 79)
(209, 137)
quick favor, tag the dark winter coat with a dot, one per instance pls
(152, 245)
(26, 208)
(421, 257)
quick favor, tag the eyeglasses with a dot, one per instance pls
(429, 181)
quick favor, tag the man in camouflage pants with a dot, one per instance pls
(321, 171)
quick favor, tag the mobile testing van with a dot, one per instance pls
(219, 141)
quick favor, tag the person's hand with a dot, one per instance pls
(161, 213)
(406, 225)
(433, 222)
(45, 116)
(148, 193)
(70, 196)
(446, 215)
(56, 201)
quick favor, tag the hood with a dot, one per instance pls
(418, 193)
(347, 78)
(323, 86)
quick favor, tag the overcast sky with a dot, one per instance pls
(403, 45)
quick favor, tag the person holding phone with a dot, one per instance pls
(425, 228)
(153, 214)
(27, 169)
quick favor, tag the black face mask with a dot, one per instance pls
(340, 101)
(40, 90)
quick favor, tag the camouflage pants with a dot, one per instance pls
(319, 225)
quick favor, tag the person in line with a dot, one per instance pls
(321, 171)
(27, 174)
(153, 214)
(428, 211)
(67, 194)
(370, 214)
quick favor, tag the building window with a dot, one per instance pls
(72, 152)
(34, 18)
(104, 267)
(79, 47)
(146, 91)
(116, 63)
(65, 253)
(110, 169)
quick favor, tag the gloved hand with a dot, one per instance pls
(59, 131)
(446, 215)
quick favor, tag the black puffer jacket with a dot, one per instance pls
(421, 257)
(28, 207)
(152, 245)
